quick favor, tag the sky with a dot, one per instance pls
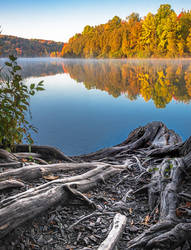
(59, 20)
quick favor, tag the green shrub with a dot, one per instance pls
(14, 106)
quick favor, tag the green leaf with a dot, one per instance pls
(8, 64)
(39, 89)
(32, 86)
(17, 67)
(12, 58)
(40, 83)
(32, 92)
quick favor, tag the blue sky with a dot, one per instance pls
(60, 19)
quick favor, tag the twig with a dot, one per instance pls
(127, 195)
(124, 178)
(88, 216)
(139, 164)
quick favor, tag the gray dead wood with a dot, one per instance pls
(119, 223)
(10, 184)
(17, 209)
(26, 155)
(46, 152)
(13, 164)
(154, 134)
(5, 155)
(153, 140)
(165, 186)
(28, 173)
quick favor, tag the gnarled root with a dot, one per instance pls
(171, 231)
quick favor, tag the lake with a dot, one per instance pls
(91, 104)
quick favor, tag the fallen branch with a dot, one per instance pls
(119, 223)
(89, 216)
(17, 209)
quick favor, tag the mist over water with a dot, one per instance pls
(91, 104)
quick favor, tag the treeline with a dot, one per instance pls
(20, 47)
(164, 34)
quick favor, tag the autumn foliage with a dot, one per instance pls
(21, 47)
(164, 34)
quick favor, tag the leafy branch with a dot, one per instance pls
(14, 106)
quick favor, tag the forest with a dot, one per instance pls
(21, 47)
(164, 34)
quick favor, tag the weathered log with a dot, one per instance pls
(17, 209)
(119, 223)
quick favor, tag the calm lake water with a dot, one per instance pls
(91, 104)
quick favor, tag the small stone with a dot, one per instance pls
(22, 246)
(98, 220)
(99, 208)
(32, 232)
(49, 240)
(92, 224)
(40, 240)
(104, 231)
(79, 236)
(51, 218)
(86, 240)
(127, 237)
(133, 229)
(93, 238)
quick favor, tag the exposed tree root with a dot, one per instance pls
(45, 152)
(5, 155)
(19, 208)
(10, 184)
(38, 171)
(152, 155)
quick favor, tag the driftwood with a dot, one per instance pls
(19, 208)
(119, 223)
(151, 152)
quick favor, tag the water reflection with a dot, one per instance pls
(81, 120)
(157, 80)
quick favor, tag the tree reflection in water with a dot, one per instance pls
(158, 80)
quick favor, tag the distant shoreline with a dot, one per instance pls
(80, 58)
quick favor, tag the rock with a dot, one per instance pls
(133, 229)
